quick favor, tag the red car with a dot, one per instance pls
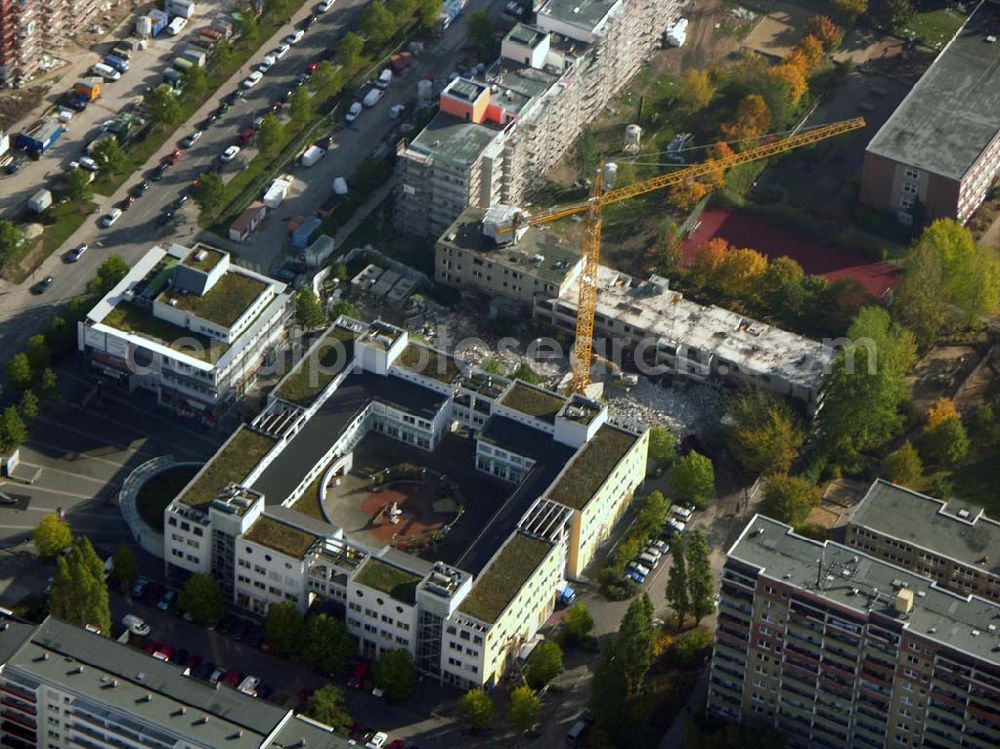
(357, 678)
(246, 136)
(173, 157)
(152, 594)
(127, 202)
(193, 662)
(152, 647)
(163, 653)
(232, 678)
(311, 67)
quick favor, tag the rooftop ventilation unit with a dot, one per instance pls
(904, 601)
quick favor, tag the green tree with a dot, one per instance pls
(28, 407)
(677, 582)
(578, 623)
(608, 690)
(250, 28)
(210, 192)
(789, 499)
(524, 709)
(662, 447)
(903, 466)
(866, 386)
(327, 80)
(697, 91)
(765, 436)
(428, 12)
(79, 594)
(481, 33)
(52, 536)
(195, 82)
(692, 648)
(401, 9)
(60, 336)
(19, 373)
(280, 9)
(284, 629)
(308, 309)
(635, 643)
(348, 50)
(545, 664)
(328, 705)
(271, 135)
(163, 106)
(222, 54)
(203, 599)
(13, 432)
(327, 648)
(109, 155)
(124, 565)
(949, 283)
(692, 479)
(891, 14)
(78, 187)
(475, 710)
(109, 273)
(39, 355)
(653, 514)
(50, 384)
(12, 239)
(395, 674)
(344, 307)
(699, 576)
(377, 23)
(946, 444)
(301, 107)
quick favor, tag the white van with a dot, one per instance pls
(135, 625)
(106, 72)
(384, 79)
(681, 512)
(177, 25)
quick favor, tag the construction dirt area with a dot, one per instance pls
(963, 372)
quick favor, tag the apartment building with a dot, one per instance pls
(497, 134)
(939, 152)
(63, 687)
(645, 323)
(558, 475)
(951, 542)
(837, 648)
(188, 325)
(31, 30)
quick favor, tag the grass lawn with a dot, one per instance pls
(65, 218)
(156, 494)
(933, 26)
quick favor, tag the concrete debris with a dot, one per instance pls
(683, 407)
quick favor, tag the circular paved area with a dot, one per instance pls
(417, 519)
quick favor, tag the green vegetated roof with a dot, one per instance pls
(274, 534)
(430, 363)
(207, 263)
(129, 318)
(591, 467)
(308, 380)
(230, 465)
(392, 581)
(533, 401)
(224, 302)
(509, 571)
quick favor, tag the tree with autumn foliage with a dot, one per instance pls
(703, 270)
(794, 75)
(943, 410)
(741, 273)
(685, 196)
(829, 34)
(697, 91)
(812, 50)
(944, 440)
(752, 120)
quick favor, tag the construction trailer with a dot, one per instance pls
(40, 139)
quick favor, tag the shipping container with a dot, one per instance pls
(158, 22)
(182, 64)
(212, 33)
(303, 235)
(172, 78)
(89, 88)
(195, 55)
(41, 139)
(182, 8)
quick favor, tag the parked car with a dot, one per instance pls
(324, 6)
(683, 513)
(157, 174)
(173, 157)
(311, 67)
(225, 624)
(140, 189)
(108, 219)
(294, 38)
(232, 678)
(135, 625)
(354, 111)
(76, 253)
(647, 560)
(139, 587)
(239, 629)
(217, 673)
(264, 691)
(266, 64)
(308, 21)
(151, 647)
(203, 671)
(358, 673)
(246, 136)
(229, 154)
(165, 217)
(127, 202)
(254, 636)
(153, 592)
(166, 600)
(281, 51)
(661, 546)
(275, 107)
(193, 662)
(181, 200)
(164, 653)
(305, 694)
(252, 80)
(249, 685)
(14, 166)
(377, 741)
(192, 138)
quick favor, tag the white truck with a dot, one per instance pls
(277, 191)
(312, 155)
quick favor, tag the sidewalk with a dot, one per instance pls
(674, 738)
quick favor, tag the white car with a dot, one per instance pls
(249, 685)
(89, 164)
(683, 513)
(252, 80)
(108, 219)
(267, 63)
(295, 37)
(647, 560)
(354, 111)
(229, 154)
(135, 625)
(377, 741)
(641, 569)
(281, 51)
(324, 6)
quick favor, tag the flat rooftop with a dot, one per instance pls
(586, 14)
(389, 579)
(539, 253)
(592, 466)
(129, 318)
(224, 303)
(453, 140)
(231, 465)
(526, 35)
(318, 367)
(953, 112)
(755, 346)
(533, 401)
(158, 693)
(953, 528)
(952, 620)
(313, 441)
(281, 536)
(203, 258)
(496, 587)
(429, 362)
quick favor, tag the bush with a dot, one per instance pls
(692, 648)
(617, 587)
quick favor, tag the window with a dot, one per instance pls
(911, 173)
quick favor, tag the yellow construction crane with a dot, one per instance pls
(599, 198)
